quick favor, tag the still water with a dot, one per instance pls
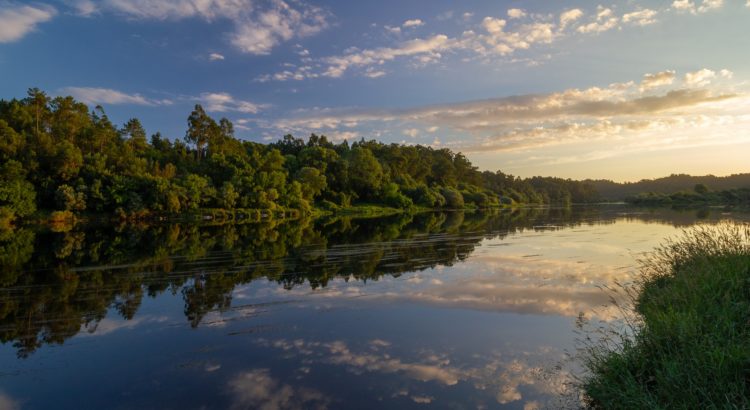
(443, 310)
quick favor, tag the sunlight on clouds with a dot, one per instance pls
(17, 20)
(659, 79)
(224, 102)
(257, 389)
(257, 29)
(95, 96)
(493, 38)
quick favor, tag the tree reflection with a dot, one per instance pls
(54, 284)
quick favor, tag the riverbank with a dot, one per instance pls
(690, 341)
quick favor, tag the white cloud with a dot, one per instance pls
(699, 78)
(94, 96)
(726, 74)
(641, 17)
(257, 29)
(83, 8)
(17, 20)
(569, 16)
(659, 79)
(338, 65)
(605, 20)
(215, 57)
(411, 132)
(516, 13)
(413, 23)
(224, 102)
(617, 112)
(692, 7)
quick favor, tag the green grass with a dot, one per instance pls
(689, 344)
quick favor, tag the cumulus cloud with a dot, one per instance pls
(617, 112)
(691, 6)
(699, 78)
(18, 20)
(413, 23)
(224, 102)
(94, 96)
(258, 26)
(605, 20)
(338, 65)
(659, 79)
(516, 13)
(83, 8)
(490, 39)
(569, 16)
(640, 17)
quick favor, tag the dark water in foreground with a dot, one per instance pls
(444, 310)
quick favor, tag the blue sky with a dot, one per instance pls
(621, 90)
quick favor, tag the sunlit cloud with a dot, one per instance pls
(17, 20)
(492, 38)
(97, 96)
(257, 26)
(224, 102)
(215, 57)
(659, 79)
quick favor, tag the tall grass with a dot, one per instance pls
(687, 342)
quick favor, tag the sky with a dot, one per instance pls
(576, 89)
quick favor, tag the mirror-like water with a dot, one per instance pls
(456, 310)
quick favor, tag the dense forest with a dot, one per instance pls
(672, 184)
(58, 156)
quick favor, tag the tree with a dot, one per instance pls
(365, 172)
(701, 189)
(201, 129)
(312, 182)
(136, 135)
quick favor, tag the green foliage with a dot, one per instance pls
(690, 344)
(76, 160)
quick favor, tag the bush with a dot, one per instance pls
(453, 198)
(689, 343)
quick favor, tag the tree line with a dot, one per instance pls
(58, 155)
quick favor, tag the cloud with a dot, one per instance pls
(616, 113)
(224, 102)
(516, 13)
(258, 390)
(411, 132)
(569, 16)
(605, 20)
(659, 79)
(699, 78)
(8, 403)
(258, 27)
(338, 65)
(413, 23)
(95, 96)
(491, 39)
(17, 20)
(215, 57)
(691, 7)
(83, 8)
(640, 17)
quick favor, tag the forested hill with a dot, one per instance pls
(58, 156)
(609, 190)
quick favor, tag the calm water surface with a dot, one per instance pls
(443, 310)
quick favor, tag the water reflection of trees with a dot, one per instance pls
(54, 284)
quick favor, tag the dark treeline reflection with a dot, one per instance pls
(54, 285)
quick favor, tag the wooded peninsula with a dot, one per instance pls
(59, 159)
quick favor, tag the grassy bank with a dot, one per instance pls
(690, 344)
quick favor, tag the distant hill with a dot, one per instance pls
(614, 191)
